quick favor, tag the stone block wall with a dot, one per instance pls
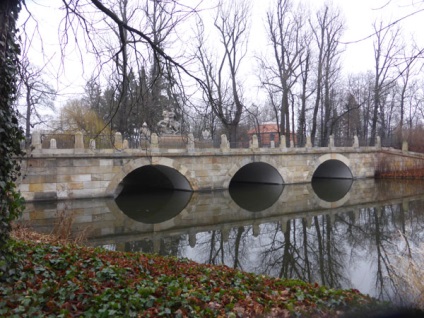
(45, 178)
(56, 174)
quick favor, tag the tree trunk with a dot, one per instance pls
(10, 132)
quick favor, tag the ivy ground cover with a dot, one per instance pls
(67, 280)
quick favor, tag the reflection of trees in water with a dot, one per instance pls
(229, 247)
(322, 249)
(163, 246)
(313, 254)
(371, 238)
(377, 232)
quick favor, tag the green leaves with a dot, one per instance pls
(11, 134)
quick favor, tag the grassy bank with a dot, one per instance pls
(66, 280)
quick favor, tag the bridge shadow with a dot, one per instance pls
(153, 206)
(332, 181)
(331, 190)
(152, 194)
(255, 197)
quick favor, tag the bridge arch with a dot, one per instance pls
(331, 166)
(177, 174)
(248, 171)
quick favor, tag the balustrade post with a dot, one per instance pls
(118, 141)
(355, 142)
(125, 144)
(378, 142)
(154, 142)
(53, 144)
(308, 142)
(255, 142)
(190, 142)
(224, 142)
(79, 141)
(92, 144)
(282, 142)
(36, 140)
(331, 142)
(405, 146)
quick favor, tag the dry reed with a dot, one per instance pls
(62, 231)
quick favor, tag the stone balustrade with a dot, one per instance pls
(173, 143)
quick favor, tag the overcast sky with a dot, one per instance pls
(359, 16)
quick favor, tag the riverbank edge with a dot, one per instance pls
(66, 280)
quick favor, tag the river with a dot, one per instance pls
(339, 233)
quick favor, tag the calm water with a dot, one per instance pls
(339, 233)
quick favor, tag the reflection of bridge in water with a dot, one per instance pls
(206, 211)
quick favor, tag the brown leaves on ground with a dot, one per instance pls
(71, 280)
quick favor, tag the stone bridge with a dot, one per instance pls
(79, 172)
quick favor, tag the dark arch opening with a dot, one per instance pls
(257, 172)
(256, 186)
(154, 177)
(332, 180)
(153, 206)
(153, 194)
(334, 169)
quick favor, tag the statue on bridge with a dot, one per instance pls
(145, 131)
(206, 135)
(168, 125)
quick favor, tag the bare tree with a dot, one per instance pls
(285, 33)
(306, 92)
(143, 81)
(87, 25)
(38, 96)
(360, 88)
(327, 33)
(406, 85)
(387, 47)
(222, 90)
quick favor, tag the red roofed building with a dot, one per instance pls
(266, 133)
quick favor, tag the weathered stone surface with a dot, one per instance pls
(106, 162)
(98, 174)
(36, 187)
(41, 178)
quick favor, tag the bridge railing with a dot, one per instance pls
(67, 141)
(63, 141)
(188, 142)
